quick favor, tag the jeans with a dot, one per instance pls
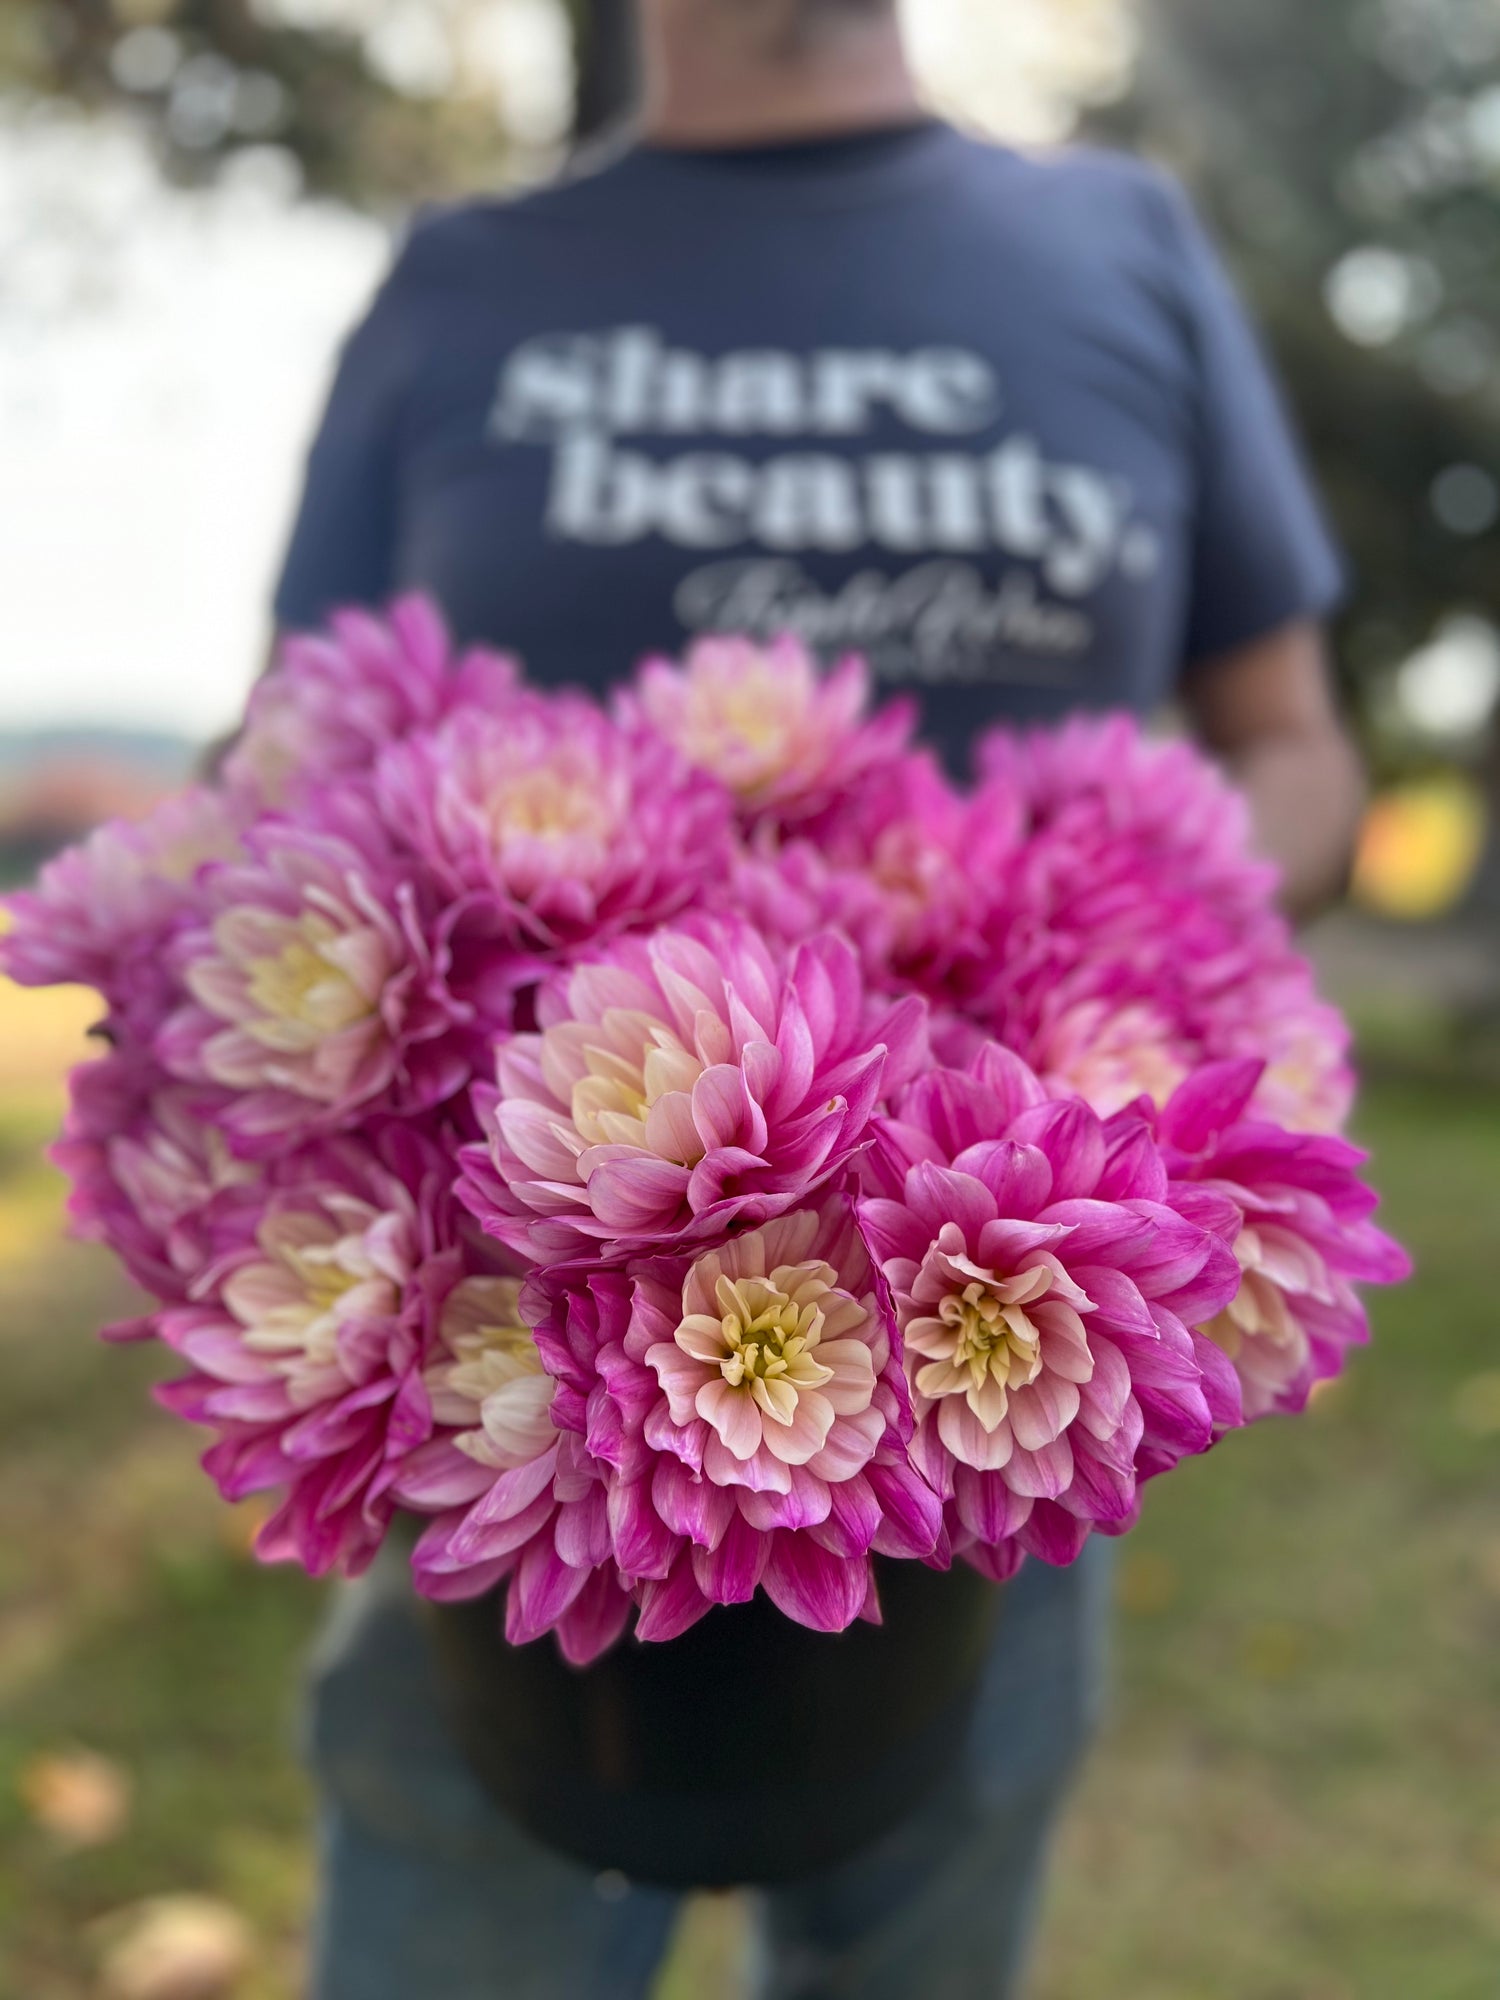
(431, 1893)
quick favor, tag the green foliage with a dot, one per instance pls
(208, 77)
(1311, 132)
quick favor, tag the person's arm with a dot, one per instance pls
(1268, 710)
(1264, 574)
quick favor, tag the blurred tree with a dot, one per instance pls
(379, 102)
(1347, 153)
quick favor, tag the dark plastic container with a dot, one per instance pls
(748, 1751)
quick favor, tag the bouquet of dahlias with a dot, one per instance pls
(686, 1149)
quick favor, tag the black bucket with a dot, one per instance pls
(748, 1751)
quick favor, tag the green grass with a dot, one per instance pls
(1295, 1799)
(1295, 1796)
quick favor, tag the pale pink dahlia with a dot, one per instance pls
(683, 1082)
(103, 913)
(1045, 1288)
(151, 1176)
(931, 854)
(316, 983)
(1134, 935)
(790, 891)
(514, 1498)
(334, 700)
(308, 1337)
(748, 1407)
(550, 825)
(1305, 1237)
(783, 737)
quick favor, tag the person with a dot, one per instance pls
(800, 357)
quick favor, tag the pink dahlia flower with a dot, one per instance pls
(308, 1338)
(514, 1498)
(1134, 935)
(790, 891)
(316, 988)
(334, 700)
(784, 738)
(1045, 1288)
(1305, 1237)
(683, 1082)
(151, 1176)
(931, 855)
(551, 825)
(749, 1410)
(103, 913)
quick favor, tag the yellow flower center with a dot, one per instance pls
(981, 1342)
(495, 1375)
(316, 1278)
(302, 986)
(991, 1337)
(490, 1342)
(743, 728)
(631, 1063)
(766, 1338)
(548, 804)
(1259, 1309)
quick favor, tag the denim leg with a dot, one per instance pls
(429, 1892)
(945, 1907)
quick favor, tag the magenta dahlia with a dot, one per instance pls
(747, 1404)
(784, 738)
(1134, 935)
(1046, 1289)
(334, 700)
(1305, 1236)
(513, 1497)
(681, 1083)
(308, 1337)
(103, 913)
(931, 855)
(316, 983)
(551, 826)
(150, 1174)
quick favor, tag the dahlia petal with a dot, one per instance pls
(644, 1546)
(1053, 1534)
(812, 1586)
(729, 1573)
(542, 1589)
(1042, 1474)
(594, 1621)
(670, 1605)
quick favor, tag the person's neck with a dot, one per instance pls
(721, 93)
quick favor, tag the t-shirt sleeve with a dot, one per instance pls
(1262, 553)
(342, 542)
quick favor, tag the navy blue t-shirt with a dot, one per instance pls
(995, 420)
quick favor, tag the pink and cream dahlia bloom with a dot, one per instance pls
(550, 826)
(1046, 1288)
(316, 984)
(1305, 1236)
(150, 1174)
(514, 1498)
(931, 857)
(308, 1337)
(778, 733)
(747, 1404)
(335, 699)
(679, 1084)
(103, 914)
(1134, 935)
